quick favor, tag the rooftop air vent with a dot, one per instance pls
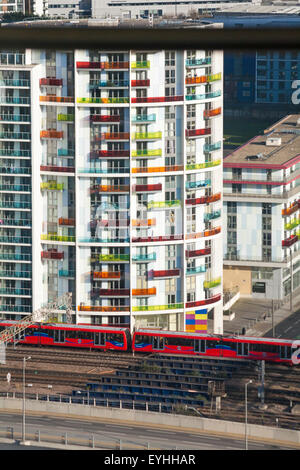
(273, 141)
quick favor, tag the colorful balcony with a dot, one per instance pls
(15, 256)
(15, 117)
(197, 184)
(52, 254)
(105, 171)
(291, 209)
(96, 308)
(111, 292)
(289, 241)
(101, 188)
(102, 65)
(15, 135)
(138, 118)
(66, 152)
(157, 99)
(106, 275)
(211, 147)
(57, 238)
(15, 170)
(144, 223)
(197, 62)
(137, 83)
(158, 169)
(16, 274)
(161, 238)
(212, 215)
(147, 188)
(212, 283)
(144, 64)
(147, 153)
(105, 118)
(203, 199)
(292, 224)
(199, 303)
(9, 82)
(196, 253)
(108, 84)
(197, 132)
(144, 292)
(113, 258)
(163, 204)
(52, 186)
(66, 117)
(59, 169)
(121, 100)
(51, 134)
(146, 257)
(148, 308)
(15, 205)
(68, 222)
(57, 99)
(206, 233)
(201, 166)
(111, 153)
(203, 96)
(163, 274)
(112, 136)
(147, 135)
(203, 79)
(16, 240)
(212, 112)
(15, 187)
(15, 153)
(15, 222)
(197, 270)
(51, 81)
(66, 273)
(14, 100)
(15, 291)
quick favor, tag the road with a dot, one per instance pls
(129, 434)
(288, 328)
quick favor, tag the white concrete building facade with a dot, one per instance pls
(111, 185)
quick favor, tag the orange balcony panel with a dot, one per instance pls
(291, 209)
(151, 291)
(193, 80)
(206, 233)
(212, 112)
(103, 188)
(85, 308)
(203, 199)
(51, 134)
(144, 223)
(102, 65)
(57, 99)
(157, 169)
(113, 136)
(63, 221)
(106, 275)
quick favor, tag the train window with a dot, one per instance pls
(177, 341)
(142, 339)
(99, 339)
(30, 331)
(262, 347)
(71, 334)
(84, 335)
(56, 335)
(242, 349)
(199, 345)
(158, 342)
(210, 344)
(285, 352)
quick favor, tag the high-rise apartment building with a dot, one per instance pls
(111, 185)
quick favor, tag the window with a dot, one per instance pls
(169, 59)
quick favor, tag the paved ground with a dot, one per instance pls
(255, 317)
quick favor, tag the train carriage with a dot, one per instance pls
(75, 336)
(196, 344)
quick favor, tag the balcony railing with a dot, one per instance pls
(59, 169)
(200, 166)
(14, 153)
(102, 65)
(16, 274)
(291, 209)
(22, 170)
(106, 275)
(164, 273)
(87, 100)
(195, 253)
(206, 233)
(112, 136)
(51, 81)
(15, 291)
(211, 113)
(57, 238)
(143, 222)
(111, 292)
(199, 303)
(15, 117)
(289, 241)
(97, 308)
(62, 221)
(197, 270)
(144, 64)
(212, 147)
(100, 169)
(16, 240)
(111, 153)
(147, 153)
(114, 258)
(66, 273)
(140, 188)
(197, 132)
(108, 84)
(147, 308)
(203, 79)
(101, 188)
(52, 186)
(15, 222)
(212, 283)
(66, 117)
(144, 118)
(15, 187)
(51, 134)
(15, 135)
(136, 83)
(292, 224)
(144, 292)
(161, 238)
(157, 169)
(16, 308)
(163, 204)
(57, 99)
(204, 96)
(198, 62)
(105, 118)
(66, 152)
(147, 135)
(157, 99)
(9, 82)
(212, 215)
(15, 256)
(197, 184)
(203, 199)
(144, 257)
(51, 254)
(14, 100)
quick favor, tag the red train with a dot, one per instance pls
(159, 341)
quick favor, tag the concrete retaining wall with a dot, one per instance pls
(137, 417)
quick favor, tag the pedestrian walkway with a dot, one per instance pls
(253, 316)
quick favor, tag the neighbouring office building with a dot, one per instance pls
(261, 212)
(111, 185)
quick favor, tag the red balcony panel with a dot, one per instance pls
(51, 81)
(158, 99)
(112, 136)
(139, 188)
(52, 254)
(198, 303)
(102, 65)
(61, 169)
(163, 238)
(165, 273)
(88, 308)
(203, 199)
(110, 153)
(63, 221)
(195, 253)
(289, 241)
(140, 83)
(51, 134)
(104, 118)
(103, 188)
(113, 292)
(195, 132)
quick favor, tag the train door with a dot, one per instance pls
(99, 339)
(158, 343)
(200, 346)
(242, 349)
(58, 336)
(285, 352)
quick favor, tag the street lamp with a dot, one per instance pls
(23, 423)
(246, 413)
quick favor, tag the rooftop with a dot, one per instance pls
(278, 147)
